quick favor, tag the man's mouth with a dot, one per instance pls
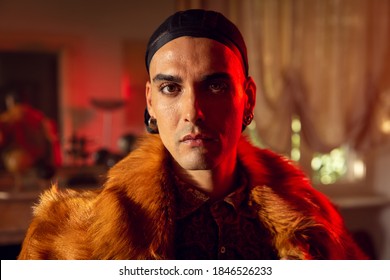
(197, 139)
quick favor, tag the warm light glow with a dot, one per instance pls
(295, 154)
(296, 125)
(340, 164)
(385, 127)
(359, 169)
(295, 139)
(316, 163)
(328, 168)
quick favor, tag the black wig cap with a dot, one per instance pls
(198, 23)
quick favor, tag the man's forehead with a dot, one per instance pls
(182, 44)
(178, 79)
(194, 54)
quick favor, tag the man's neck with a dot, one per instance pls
(217, 183)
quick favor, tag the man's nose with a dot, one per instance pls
(192, 107)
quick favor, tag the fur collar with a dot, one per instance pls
(132, 216)
(299, 217)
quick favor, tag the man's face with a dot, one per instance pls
(198, 94)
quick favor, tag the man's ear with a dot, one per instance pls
(148, 95)
(250, 91)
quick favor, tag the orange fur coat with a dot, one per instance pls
(132, 216)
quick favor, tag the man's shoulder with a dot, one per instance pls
(59, 202)
(59, 226)
(276, 178)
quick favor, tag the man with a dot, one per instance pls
(197, 189)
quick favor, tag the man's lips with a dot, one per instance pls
(197, 137)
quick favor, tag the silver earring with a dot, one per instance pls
(152, 125)
(248, 119)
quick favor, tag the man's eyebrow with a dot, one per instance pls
(216, 76)
(168, 78)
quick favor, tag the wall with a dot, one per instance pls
(91, 38)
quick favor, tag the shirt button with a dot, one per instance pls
(222, 250)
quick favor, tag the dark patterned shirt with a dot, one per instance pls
(224, 229)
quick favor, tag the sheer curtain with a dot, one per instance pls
(325, 61)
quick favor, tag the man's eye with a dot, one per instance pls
(169, 89)
(218, 87)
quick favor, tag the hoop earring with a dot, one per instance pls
(152, 126)
(248, 119)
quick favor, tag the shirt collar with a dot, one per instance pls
(190, 198)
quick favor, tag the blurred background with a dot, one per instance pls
(72, 80)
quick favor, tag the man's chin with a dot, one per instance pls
(197, 164)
